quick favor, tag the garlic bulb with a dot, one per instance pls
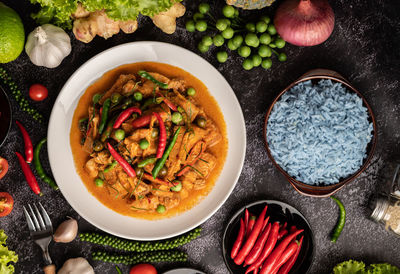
(66, 231)
(76, 266)
(47, 46)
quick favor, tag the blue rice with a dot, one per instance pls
(319, 133)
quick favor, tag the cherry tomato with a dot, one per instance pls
(143, 269)
(6, 204)
(3, 167)
(38, 92)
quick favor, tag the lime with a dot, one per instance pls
(12, 35)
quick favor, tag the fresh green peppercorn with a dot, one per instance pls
(237, 40)
(177, 186)
(266, 63)
(191, 91)
(138, 96)
(161, 208)
(264, 51)
(251, 40)
(201, 122)
(222, 56)
(98, 145)
(248, 64)
(265, 38)
(228, 11)
(119, 134)
(163, 172)
(218, 40)
(236, 13)
(203, 48)
(272, 45)
(204, 8)
(282, 57)
(265, 18)
(99, 182)
(271, 29)
(221, 24)
(154, 133)
(251, 27)
(231, 45)
(256, 60)
(190, 26)
(198, 16)
(143, 144)
(228, 33)
(207, 40)
(176, 118)
(280, 43)
(116, 98)
(244, 51)
(201, 25)
(261, 26)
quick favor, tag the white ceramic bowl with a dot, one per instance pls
(62, 163)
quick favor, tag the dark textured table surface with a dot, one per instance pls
(364, 48)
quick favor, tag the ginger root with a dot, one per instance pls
(166, 20)
(98, 23)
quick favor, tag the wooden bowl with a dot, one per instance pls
(324, 190)
(5, 116)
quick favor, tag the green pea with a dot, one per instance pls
(261, 26)
(201, 25)
(161, 208)
(190, 26)
(218, 40)
(236, 13)
(138, 96)
(282, 57)
(265, 38)
(251, 27)
(99, 182)
(228, 33)
(248, 64)
(191, 91)
(198, 16)
(280, 43)
(176, 118)
(237, 40)
(256, 60)
(244, 51)
(177, 186)
(144, 144)
(116, 98)
(154, 133)
(222, 56)
(119, 134)
(266, 63)
(204, 8)
(264, 51)
(207, 40)
(203, 48)
(231, 45)
(265, 18)
(228, 11)
(271, 29)
(221, 24)
(272, 45)
(251, 40)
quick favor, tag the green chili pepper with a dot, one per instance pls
(118, 270)
(146, 75)
(39, 168)
(342, 219)
(110, 167)
(104, 114)
(147, 161)
(109, 128)
(160, 163)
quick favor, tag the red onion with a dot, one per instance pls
(304, 22)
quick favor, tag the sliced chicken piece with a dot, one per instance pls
(148, 202)
(92, 168)
(213, 136)
(206, 166)
(129, 88)
(191, 109)
(162, 191)
(117, 87)
(103, 158)
(170, 202)
(177, 84)
(199, 184)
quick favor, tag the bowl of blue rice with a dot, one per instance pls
(320, 133)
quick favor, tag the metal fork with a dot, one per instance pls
(41, 230)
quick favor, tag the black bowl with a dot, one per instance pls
(278, 211)
(5, 116)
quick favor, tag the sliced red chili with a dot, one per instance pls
(28, 143)
(168, 102)
(162, 140)
(156, 180)
(193, 158)
(125, 115)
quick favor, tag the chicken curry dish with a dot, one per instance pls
(148, 140)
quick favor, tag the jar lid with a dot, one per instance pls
(379, 205)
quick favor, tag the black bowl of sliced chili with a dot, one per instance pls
(277, 212)
(5, 116)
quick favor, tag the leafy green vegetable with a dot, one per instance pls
(6, 256)
(59, 12)
(357, 267)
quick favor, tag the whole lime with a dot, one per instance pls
(12, 34)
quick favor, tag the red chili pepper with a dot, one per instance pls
(28, 143)
(283, 226)
(272, 259)
(246, 219)
(162, 140)
(292, 229)
(286, 255)
(142, 121)
(268, 247)
(250, 225)
(289, 264)
(239, 239)
(282, 233)
(30, 178)
(125, 115)
(168, 102)
(258, 247)
(156, 180)
(124, 164)
(265, 223)
(251, 239)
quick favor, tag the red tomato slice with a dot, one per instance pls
(143, 269)
(3, 167)
(6, 204)
(38, 92)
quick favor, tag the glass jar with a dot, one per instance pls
(385, 205)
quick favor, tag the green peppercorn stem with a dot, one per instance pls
(145, 257)
(21, 100)
(137, 246)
